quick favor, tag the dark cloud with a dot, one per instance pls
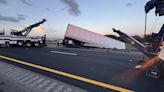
(4, 2)
(129, 4)
(73, 7)
(26, 2)
(47, 9)
(16, 19)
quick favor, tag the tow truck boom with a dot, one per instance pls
(158, 4)
(27, 30)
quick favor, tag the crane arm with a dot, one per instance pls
(133, 42)
(150, 5)
(28, 29)
(158, 4)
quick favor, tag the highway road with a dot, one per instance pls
(90, 70)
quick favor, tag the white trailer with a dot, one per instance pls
(76, 36)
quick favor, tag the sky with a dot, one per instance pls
(99, 16)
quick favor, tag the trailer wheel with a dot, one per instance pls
(36, 44)
(28, 44)
(20, 43)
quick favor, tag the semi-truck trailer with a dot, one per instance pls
(79, 37)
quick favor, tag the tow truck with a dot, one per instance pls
(20, 38)
(154, 52)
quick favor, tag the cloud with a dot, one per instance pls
(47, 9)
(40, 31)
(73, 7)
(27, 2)
(4, 2)
(16, 19)
(129, 4)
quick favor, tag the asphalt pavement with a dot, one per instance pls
(106, 67)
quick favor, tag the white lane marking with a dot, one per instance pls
(66, 53)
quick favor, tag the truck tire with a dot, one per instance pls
(20, 43)
(65, 42)
(36, 44)
(28, 44)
